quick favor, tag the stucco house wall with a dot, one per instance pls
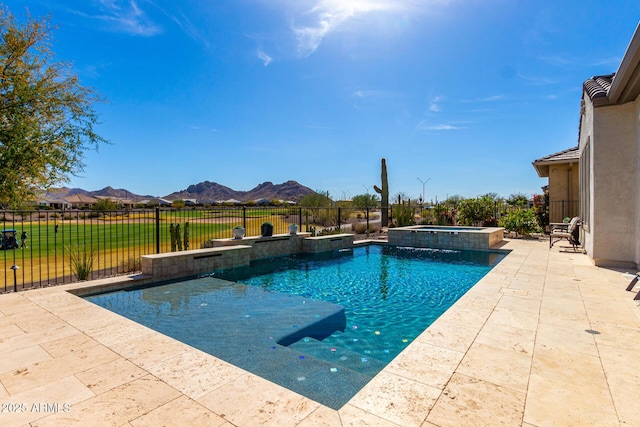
(614, 166)
(636, 218)
(563, 188)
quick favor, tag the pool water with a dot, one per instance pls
(320, 325)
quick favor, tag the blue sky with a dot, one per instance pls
(462, 93)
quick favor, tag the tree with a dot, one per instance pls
(319, 199)
(364, 201)
(105, 205)
(518, 199)
(476, 211)
(46, 117)
(178, 204)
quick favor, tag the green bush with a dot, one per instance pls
(475, 211)
(520, 222)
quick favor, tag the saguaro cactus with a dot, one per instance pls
(178, 237)
(384, 194)
(186, 236)
(172, 233)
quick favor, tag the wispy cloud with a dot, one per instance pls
(124, 16)
(326, 16)
(424, 126)
(375, 93)
(266, 59)
(377, 98)
(434, 105)
(538, 80)
(490, 98)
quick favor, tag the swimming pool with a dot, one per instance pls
(320, 325)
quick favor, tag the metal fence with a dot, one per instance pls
(61, 245)
(561, 209)
(65, 246)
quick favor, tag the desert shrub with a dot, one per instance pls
(404, 214)
(81, 261)
(520, 222)
(361, 228)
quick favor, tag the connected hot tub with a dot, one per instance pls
(446, 237)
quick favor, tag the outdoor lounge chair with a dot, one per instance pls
(570, 233)
(632, 284)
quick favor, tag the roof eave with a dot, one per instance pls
(626, 84)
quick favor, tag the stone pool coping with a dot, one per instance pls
(545, 338)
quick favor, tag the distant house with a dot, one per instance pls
(81, 201)
(562, 169)
(232, 202)
(54, 203)
(609, 147)
(208, 201)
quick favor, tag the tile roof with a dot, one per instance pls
(598, 86)
(567, 155)
(542, 165)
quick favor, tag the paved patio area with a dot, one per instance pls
(545, 339)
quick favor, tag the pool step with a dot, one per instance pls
(341, 357)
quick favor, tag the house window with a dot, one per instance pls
(585, 185)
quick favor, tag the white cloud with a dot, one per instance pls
(266, 59)
(491, 98)
(434, 104)
(125, 16)
(442, 126)
(326, 16)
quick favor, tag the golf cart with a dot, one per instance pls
(8, 239)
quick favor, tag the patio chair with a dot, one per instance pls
(570, 233)
(632, 285)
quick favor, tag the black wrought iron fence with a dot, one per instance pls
(65, 246)
(559, 210)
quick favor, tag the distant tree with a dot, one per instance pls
(47, 116)
(178, 204)
(318, 199)
(518, 199)
(364, 201)
(453, 200)
(399, 197)
(105, 205)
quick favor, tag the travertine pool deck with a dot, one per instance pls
(545, 339)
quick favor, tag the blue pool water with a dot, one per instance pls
(320, 325)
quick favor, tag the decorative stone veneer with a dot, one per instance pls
(189, 263)
(333, 242)
(445, 237)
(220, 254)
(264, 247)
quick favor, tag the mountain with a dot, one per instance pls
(290, 190)
(106, 192)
